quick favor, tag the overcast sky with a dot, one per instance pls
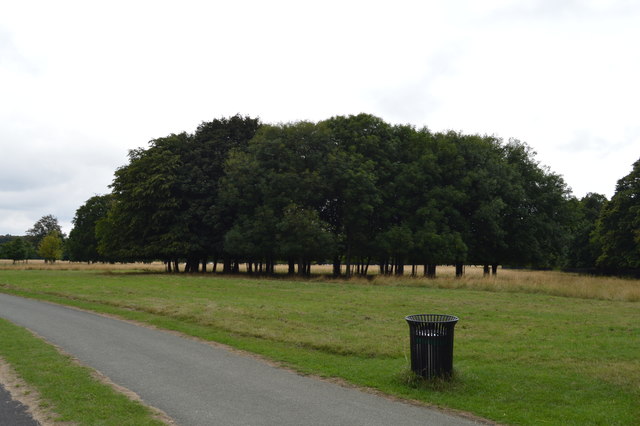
(82, 82)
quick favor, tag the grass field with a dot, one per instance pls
(530, 347)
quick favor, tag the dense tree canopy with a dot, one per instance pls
(165, 199)
(584, 249)
(16, 249)
(82, 244)
(618, 228)
(353, 190)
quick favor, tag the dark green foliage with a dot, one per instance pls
(165, 199)
(584, 249)
(352, 190)
(6, 238)
(618, 228)
(82, 244)
(538, 219)
(17, 249)
(43, 227)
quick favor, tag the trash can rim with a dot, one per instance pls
(439, 318)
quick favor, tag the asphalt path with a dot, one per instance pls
(13, 413)
(200, 384)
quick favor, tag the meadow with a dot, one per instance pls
(530, 347)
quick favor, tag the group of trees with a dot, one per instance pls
(353, 191)
(606, 234)
(616, 237)
(43, 240)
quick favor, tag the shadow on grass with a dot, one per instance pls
(445, 384)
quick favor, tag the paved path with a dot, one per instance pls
(13, 413)
(198, 384)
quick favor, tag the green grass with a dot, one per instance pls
(66, 387)
(519, 358)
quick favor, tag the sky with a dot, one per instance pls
(83, 82)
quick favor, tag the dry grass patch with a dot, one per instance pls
(63, 265)
(555, 283)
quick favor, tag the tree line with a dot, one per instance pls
(44, 240)
(353, 191)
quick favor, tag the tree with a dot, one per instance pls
(50, 248)
(618, 228)
(144, 220)
(353, 189)
(278, 170)
(210, 147)
(164, 200)
(17, 249)
(82, 244)
(584, 250)
(43, 227)
(6, 238)
(352, 170)
(303, 237)
(539, 215)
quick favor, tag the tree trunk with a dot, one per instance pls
(204, 265)
(431, 271)
(336, 266)
(176, 266)
(192, 265)
(459, 270)
(494, 269)
(226, 268)
(348, 260)
(292, 266)
(485, 271)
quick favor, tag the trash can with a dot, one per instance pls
(431, 340)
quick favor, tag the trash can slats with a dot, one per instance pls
(431, 341)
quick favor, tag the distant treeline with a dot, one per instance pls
(44, 240)
(352, 191)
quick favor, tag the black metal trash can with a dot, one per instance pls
(431, 340)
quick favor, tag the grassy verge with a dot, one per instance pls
(520, 357)
(67, 388)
